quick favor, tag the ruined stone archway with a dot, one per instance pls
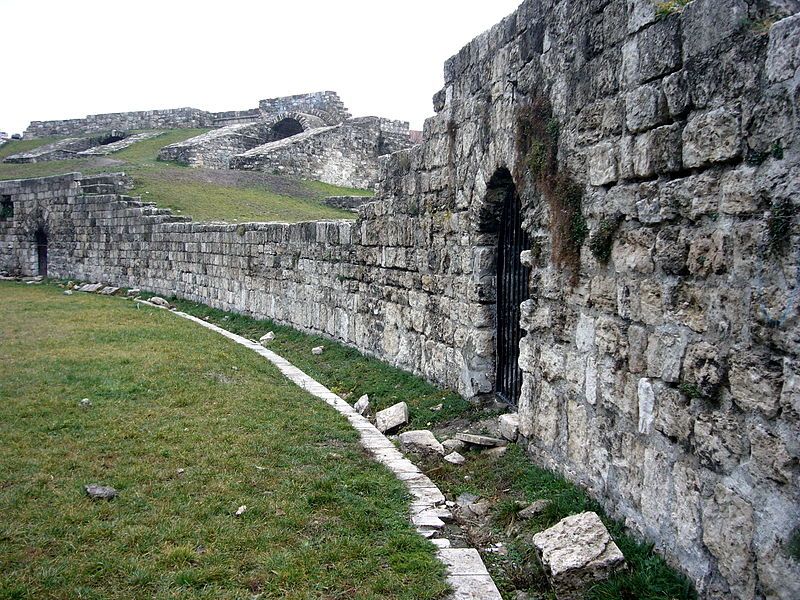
(286, 128)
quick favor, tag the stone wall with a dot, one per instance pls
(173, 118)
(660, 356)
(345, 154)
(215, 148)
(326, 105)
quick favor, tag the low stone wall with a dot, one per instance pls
(173, 118)
(234, 117)
(326, 105)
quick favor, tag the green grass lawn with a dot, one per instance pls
(203, 194)
(322, 520)
(510, 482)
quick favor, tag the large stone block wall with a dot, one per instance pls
(666, 379)
(172, 118)
(215, 148)
(326, 105)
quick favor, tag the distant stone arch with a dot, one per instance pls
(287, 124)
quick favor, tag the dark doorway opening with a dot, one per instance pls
(41, 251)
(287, 128)
(512, 285)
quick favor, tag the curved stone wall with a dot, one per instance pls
(660, 356)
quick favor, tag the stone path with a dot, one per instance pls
(466, 572)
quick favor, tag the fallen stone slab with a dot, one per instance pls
(96, 491)
(480, 440)
(392, 417)
(453, 445)
(317, 350)
(576, 553)
(421, 441)
(266, 338)
(509, 426)
(109, 291)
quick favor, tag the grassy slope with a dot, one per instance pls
(199, 193)
(323, 521)
(507, 481)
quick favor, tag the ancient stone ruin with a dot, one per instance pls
(308, 135)
(600, 225)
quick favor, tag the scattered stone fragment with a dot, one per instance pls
(100, 492)
(495, 453)
(534, 509)
(85, 403)
(392, 417)
(91, 288)
(466, 499)
(241, 510)
(317, 350)
(159, 301)
(362, 405)
(134, 292)
(478, 509)
(480, 440)
(509, 426)
(180, 472)
(68, 292)
(421, 441)
(109, 291)
(266, 338)
(453, 445)
(455, 458)
(437, 408)
(577, 552)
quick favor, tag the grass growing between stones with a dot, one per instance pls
(344, 370)
(203, 194)
(509, 482)
(322, 519)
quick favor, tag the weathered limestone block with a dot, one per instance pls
(770, 455)
(671, 250)
(645, 108)
(673, 416)
(603, 164)
(421, 441)
(657, 151)
(702, 368)
(718, 441)
(392, 417)
(739, 196)
(637, 348)
(509, 426)
(647, 405)
(755, 382)
(783, 51)
(665, 350)
(708, 23)
(651, 53)
(576, 553)
(728, 534)
(634, 252)
(712, 137)
(676, 91)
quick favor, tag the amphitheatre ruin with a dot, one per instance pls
(598, 226)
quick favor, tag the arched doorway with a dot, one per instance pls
(511, 285)
(41, 251)
(286, 128)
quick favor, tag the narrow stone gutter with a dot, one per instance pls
(466, 572)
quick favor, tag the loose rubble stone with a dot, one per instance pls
(85, 403)
(453, 445)
(495, 453)
(576, 553)
(159, 301)
(455, 458)
(509, 426)
(100, 492)
(534, 509)
(362, 405)
(392, 417)
(266, 338)
(480, 440)
(68, 292)
(317, 350)
(241, 510)
(422, 441)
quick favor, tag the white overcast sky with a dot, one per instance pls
(63, 59)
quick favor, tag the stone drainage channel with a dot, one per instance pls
(466, 572)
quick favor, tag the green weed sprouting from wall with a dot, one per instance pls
(537, 151)
(602, 239)
(670, 7)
